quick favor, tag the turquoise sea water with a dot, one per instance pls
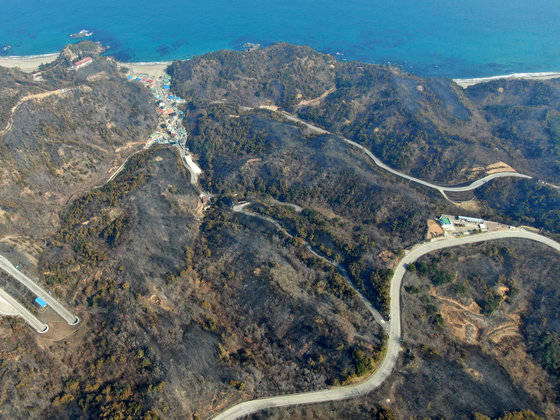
(452, 38)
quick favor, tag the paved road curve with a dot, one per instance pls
(393, 345)
(441, 188)
(31, 319)
(39, 291)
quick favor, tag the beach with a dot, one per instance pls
(29, 63)
(464, 83)
(153, 69)
(156, 69)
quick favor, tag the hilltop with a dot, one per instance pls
(429, 127)
(62, 133)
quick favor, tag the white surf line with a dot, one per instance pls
(386, 367)
(464, 83)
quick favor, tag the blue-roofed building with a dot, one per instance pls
(166, 87)
(129, 77)
(41, 302)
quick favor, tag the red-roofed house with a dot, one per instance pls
(83, 62)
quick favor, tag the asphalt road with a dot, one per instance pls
(6, 308)
(393, 344)
(39, 291)
(31, 319)
(441, 188)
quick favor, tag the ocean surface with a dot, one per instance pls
(451, 38)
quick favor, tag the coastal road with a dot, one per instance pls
(393, 344)
(441, 188)
(39, 291)
(31, 319)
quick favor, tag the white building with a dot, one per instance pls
(83, 62)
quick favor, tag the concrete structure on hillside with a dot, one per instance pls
(470, 220)
(82, 63)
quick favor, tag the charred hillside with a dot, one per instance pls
(64, 133)
(430, 128)
(191, 302)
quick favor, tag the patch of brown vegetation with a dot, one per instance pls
(315, 101)
(29, 248)
(530, 229)
(513, 356)
(328, 212)
(471, 205)
(434, 229)
(98, 76)
(491, 169)
(388, 257)
(128, 146)
(499, 167)
(462, 323)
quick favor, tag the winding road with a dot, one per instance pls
(68, 316)
(393, 346)
(240, 208)
(20, 310)
(441, 188)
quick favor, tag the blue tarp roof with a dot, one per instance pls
(41, 302)
(166, 87)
